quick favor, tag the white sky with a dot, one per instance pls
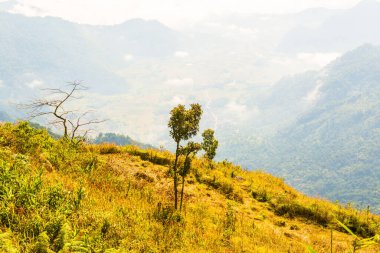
(171, 12)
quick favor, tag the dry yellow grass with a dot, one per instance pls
(119, 184)
(128, 199)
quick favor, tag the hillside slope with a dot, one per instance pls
(330, 148)
(65, 197)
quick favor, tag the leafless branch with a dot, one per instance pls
(68, 120)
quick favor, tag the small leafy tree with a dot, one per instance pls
(183, 124)
(190, 150)
(209, 144)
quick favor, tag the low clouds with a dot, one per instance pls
(314, 95)
(180, 82)
(28, 10)
(171, 12)
(181, 54)
(236, 110)
(128, 57)
(177, 100)
(246, 31)
(35, 84)
(2, 84)
(320, 59)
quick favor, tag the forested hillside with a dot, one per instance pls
(332, 148)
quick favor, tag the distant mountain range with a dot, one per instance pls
(258, 77)
(38, 52)
(341, 32)
(119, 139)
(5, 117)
(332, 148)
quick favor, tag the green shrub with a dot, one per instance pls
(109, 148)
(24, 139)
(280, 223)
(151, 155)
(42, 244)
(261, 196)
(6, 243)
(221, 184)
(311, 213)
(55, 196)
(167, 215)
(229, 222)
(361, 228)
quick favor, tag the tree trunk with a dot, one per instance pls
(183, 187)
(175, 177)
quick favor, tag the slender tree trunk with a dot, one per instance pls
(65, 132)
(331, 241)
(175, 177)
(183, 184)
(183, 187)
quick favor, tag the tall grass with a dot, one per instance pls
(58, 196)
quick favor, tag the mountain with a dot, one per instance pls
(119, 139)
(5, 117)
(58, 196)
(251, 95)
(339, 33)
(135, 59)
(45, 52)
(331, 149)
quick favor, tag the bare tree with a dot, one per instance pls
(54, 107)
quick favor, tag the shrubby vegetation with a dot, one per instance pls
(64, 196)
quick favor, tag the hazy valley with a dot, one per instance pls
(295, 95)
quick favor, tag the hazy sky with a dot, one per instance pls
(171, 12)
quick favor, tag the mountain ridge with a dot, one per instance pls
(330, 149)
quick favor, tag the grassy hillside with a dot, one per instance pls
(58, 196)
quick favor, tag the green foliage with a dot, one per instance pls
(151, 155)
(66, 197)
(42, 244)
(224, 186)
(310, 249)
(166, 214)
(109, 148)
(229, 222)
(312, 213)
(64, 155)
(24, 138)
(209, 144)
(6, 243)
(184, 124)
(78, 198)
(261, 196)
(359, 227)
(358, 243)
(55, 196)
(29, 205)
